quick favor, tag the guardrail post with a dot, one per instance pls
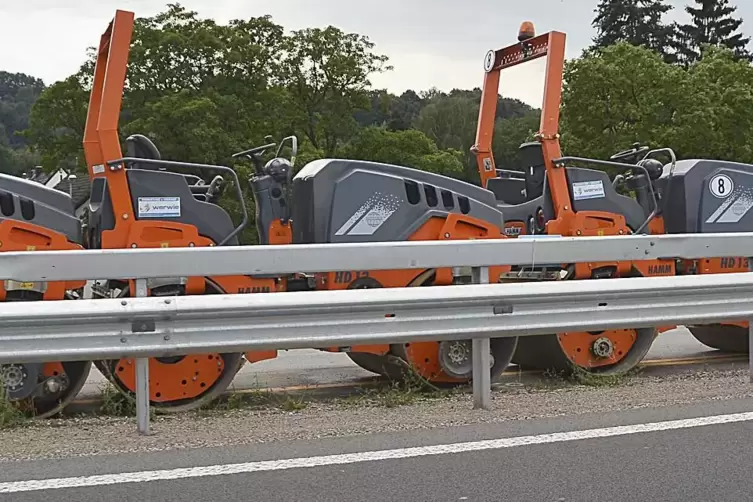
(750, 333)
(142, 378)
(481, 348)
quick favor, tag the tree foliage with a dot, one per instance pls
(410, 148)
(625, 94)
(451, 119)
(711, 23)
(638, 22)
(18, 92)
(326, 74)
(509, 134)
(56, 124)
(202, 90)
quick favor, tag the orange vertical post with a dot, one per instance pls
(487, 114)
(529, 47)
(549, 135)
(101, 140)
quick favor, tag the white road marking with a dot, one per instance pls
(370, 456)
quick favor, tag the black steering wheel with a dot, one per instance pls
(630, 155)
(256, 151)
(256, 154)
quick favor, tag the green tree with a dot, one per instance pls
(56, 124)
(638, 22)
(19, 161)
(378, 111)
(451, 121)
(7, 164)
(404, 110)
(7, 156)
(509, 134)
(618, 96)
(410, 148)
(626, 94)
(176, 50)
(18, 92)
(177, 55)
(182, 70)
(711, 24)
(190, 126)
(715, 116)
(326, 73)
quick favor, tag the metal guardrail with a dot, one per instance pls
(144, 327)
(169, 326)
(283, 259)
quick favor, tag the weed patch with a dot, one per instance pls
(10, 415)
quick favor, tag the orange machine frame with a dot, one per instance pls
(101, 141)
(530, 47)
(552, 46)
(566, 222)
(102, 145)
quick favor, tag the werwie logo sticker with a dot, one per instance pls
(588, 190)
(159, 207)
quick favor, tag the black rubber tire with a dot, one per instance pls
(544, 352)
(373, 363)
(77, 373)
(387, 366)
(40, 408)
(726, 338)
(503, 349)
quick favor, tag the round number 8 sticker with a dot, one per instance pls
(721, 186)
(489, 60)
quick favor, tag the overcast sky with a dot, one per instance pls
(429, 42)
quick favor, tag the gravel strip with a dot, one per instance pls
(65, 438)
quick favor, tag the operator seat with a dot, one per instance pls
(534, 167)
(138, 145)
(514, 191)
(510, 191)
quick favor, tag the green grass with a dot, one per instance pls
(579, 376)
(394, 393)
(10, 415)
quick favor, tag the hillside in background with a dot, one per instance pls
(18, 93)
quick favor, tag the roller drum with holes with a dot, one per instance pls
(34, 217)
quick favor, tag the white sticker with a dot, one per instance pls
(721, 186)
(588, 190)
(734, 207)
(489, 60)
(371, 215)
(371, 222)
(159, 207)
(98, 169)
(540, 237)
(487, 164)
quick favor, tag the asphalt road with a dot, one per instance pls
(691, 453)
(313, 367)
